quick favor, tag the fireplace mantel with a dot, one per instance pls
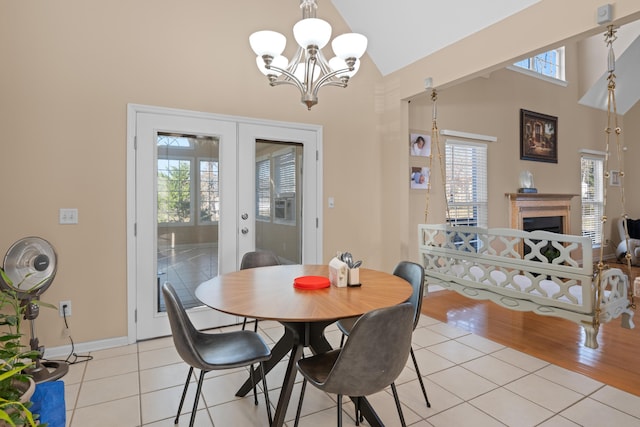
(532, 205)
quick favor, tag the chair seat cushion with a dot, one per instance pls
(230, 349)
(316, 368)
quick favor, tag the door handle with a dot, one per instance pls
(244, 230)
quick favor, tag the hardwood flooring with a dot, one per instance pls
(615, 362)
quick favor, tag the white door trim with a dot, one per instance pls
(132, 111)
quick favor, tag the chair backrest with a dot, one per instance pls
(414, 274)
(375, 353)
(183, 332)
(258, 259)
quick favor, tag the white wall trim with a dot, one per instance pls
(467, 135)
(85, 347)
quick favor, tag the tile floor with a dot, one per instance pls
(470, 381)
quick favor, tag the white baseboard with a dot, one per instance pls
(85, 347)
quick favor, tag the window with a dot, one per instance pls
(209, 191)
(547, 64)
(592, 192)
(466, 176)
(187, 181)
(263, 189)
(174, 191)
(276, 185)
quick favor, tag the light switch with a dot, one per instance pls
(68, 216)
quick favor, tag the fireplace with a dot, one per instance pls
(538, 211)
(545, 223)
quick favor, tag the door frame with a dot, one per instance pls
(131, 245)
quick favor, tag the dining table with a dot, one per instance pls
(268, 293)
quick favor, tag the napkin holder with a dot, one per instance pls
(338, 273)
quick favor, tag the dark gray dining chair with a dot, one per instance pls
(257, 259)
(414, 274)
(372, 358)
(215, 351)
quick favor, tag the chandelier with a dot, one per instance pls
(308, 70)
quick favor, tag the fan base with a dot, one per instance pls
(48, 370)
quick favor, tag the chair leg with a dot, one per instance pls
(184, 394)
(253, 381)
(357, 405)
(342, 341)
(299, 410)
(244, 323)
(195, 402)
(397, 399)
(424, 391)
(266, 393)
(339, 410)
(255, 326)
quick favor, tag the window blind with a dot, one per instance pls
(592, 194)
(263, 189)
(466, 187)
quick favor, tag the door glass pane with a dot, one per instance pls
(279, 199)
(188, 201)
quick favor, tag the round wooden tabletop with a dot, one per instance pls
(268, 293)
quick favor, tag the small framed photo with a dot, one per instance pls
(419, 178)
(420, 144)
(538, 137)
(614, 178)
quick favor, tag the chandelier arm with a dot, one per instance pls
(291, 79)
(325, 80)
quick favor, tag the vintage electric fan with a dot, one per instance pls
(30, 266)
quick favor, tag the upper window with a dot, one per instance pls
(592, 192)
(548, 64)
(466, 175)
(188, 183)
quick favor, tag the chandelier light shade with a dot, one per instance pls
(308, 70)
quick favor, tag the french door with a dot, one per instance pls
(208, 189)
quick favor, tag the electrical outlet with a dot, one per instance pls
(64, 308)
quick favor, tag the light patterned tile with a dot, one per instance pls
(161, 404)
(106, 389)
(448, 330)
(511, 409)
(519, 359)
(122, 413)
(158, 357)
(115, 351)
(463, 415)
(591, 413)
(455, 352)
(462, 382)
(429, 362)
(618, 399)
(203, 419)
(495, 370)
(164, 377)
(544, 392)
(480, 343)
(424, 337)
(118, 365)
(572, 380)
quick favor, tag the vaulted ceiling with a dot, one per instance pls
(402, 32)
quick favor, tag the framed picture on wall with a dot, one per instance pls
(419, 178)
(538, 137)
(420, 144)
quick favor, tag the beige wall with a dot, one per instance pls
(70, 69)
(491, 106)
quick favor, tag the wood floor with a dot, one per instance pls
(615, 362)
